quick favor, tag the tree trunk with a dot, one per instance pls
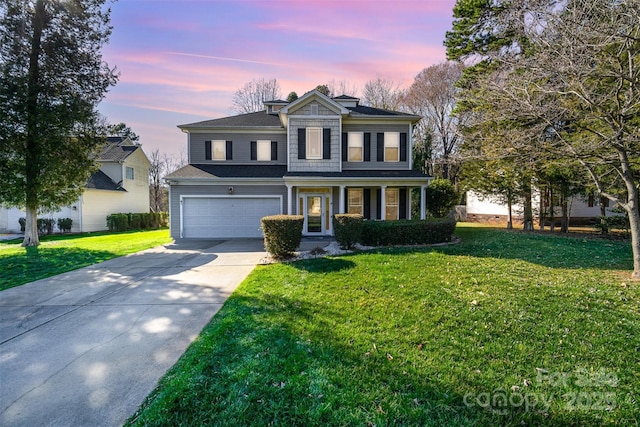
(564, 222)
(541, 215)
(510, 221)
(552, 214)
(31, 237)
(633, 210)
(528, 209)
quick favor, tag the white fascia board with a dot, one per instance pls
(225, 181)
(264, 129)
(364, 182)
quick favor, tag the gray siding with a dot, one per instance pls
(241, 147)
(306, 110)
(374, 130)
(219, 190)
(320, 165)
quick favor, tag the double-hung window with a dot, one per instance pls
(218, 148)
(355, 143)
(314, 143)
(356, 201)
(391, 203)
(263, 150)
(130, 173)
(391, 147)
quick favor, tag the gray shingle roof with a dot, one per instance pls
(114, 152)
(259, 119)
(100, 181)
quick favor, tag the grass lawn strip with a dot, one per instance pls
(61, 253)
(504, 329)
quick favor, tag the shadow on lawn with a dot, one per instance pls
(323, 265)
(281, 361)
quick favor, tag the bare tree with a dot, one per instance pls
(161, 165)
(433, 96)
(382, 93)
(342, 87)
(251, 97)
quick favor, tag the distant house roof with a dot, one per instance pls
(345, 97)
(258, 119)
(117, 149)
(100, 181)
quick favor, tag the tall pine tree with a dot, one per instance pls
(52, 77)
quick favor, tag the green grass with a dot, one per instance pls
(421, 338)
(61, 253)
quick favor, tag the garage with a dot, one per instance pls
(226, 216)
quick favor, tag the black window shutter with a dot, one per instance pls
(367, 147)
(378, 204)
(302, 143)
(402, 204)
(207, 150)
(274, 150)
(254, 150)
(366, 201)
(326, 143)
(403, 147)
(229, 150)
(346, 200)
(344, 147)
(380, 147)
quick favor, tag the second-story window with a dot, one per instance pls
(263, 151)
(314, 143)
(218, 148)
(391, 147)
(355, 146)
(130, 173)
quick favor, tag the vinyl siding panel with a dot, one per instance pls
(241, 147)
(374, 129)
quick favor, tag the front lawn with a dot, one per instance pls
(61, 253)
(506, 328)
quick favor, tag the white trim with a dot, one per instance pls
(250, 130)
(323, 196)
(205, 196)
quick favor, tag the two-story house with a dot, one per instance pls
(316, 156)
(121, 184)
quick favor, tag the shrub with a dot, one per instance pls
(137, 221)
(347, 229)
(407, 232)
(64, 224)
(617, 222)
(282, 234)
(22, 222)
(440, 197)
(45, 225)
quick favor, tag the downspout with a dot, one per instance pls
(80, 203)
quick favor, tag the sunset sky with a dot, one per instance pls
(181, 61)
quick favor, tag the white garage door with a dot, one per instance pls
(224, 217)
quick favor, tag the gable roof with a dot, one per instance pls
(257, 119)
(319, 96)
(100, 181)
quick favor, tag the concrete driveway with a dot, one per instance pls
(86, 347)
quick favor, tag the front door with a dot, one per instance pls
(314, 214)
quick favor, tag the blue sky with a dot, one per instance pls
(181, 61)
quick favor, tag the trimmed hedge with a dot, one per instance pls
(407, 232)
(137, 221)
(282, 234)
(64, 224)
(45, 225)
(347, 229)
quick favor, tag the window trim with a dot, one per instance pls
(387, 205)
(218, 142)
(387, 145)
(351, 143)
(266, 144)
(126, 172)
(350, 205)
(320, 133)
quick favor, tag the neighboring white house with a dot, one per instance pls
(120, 185)
(583, 210)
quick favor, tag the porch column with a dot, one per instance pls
(341, 201)
(423, 203)
(409, 201)
(383, 202)
(289, 197)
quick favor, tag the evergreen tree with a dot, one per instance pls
(52, 78)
